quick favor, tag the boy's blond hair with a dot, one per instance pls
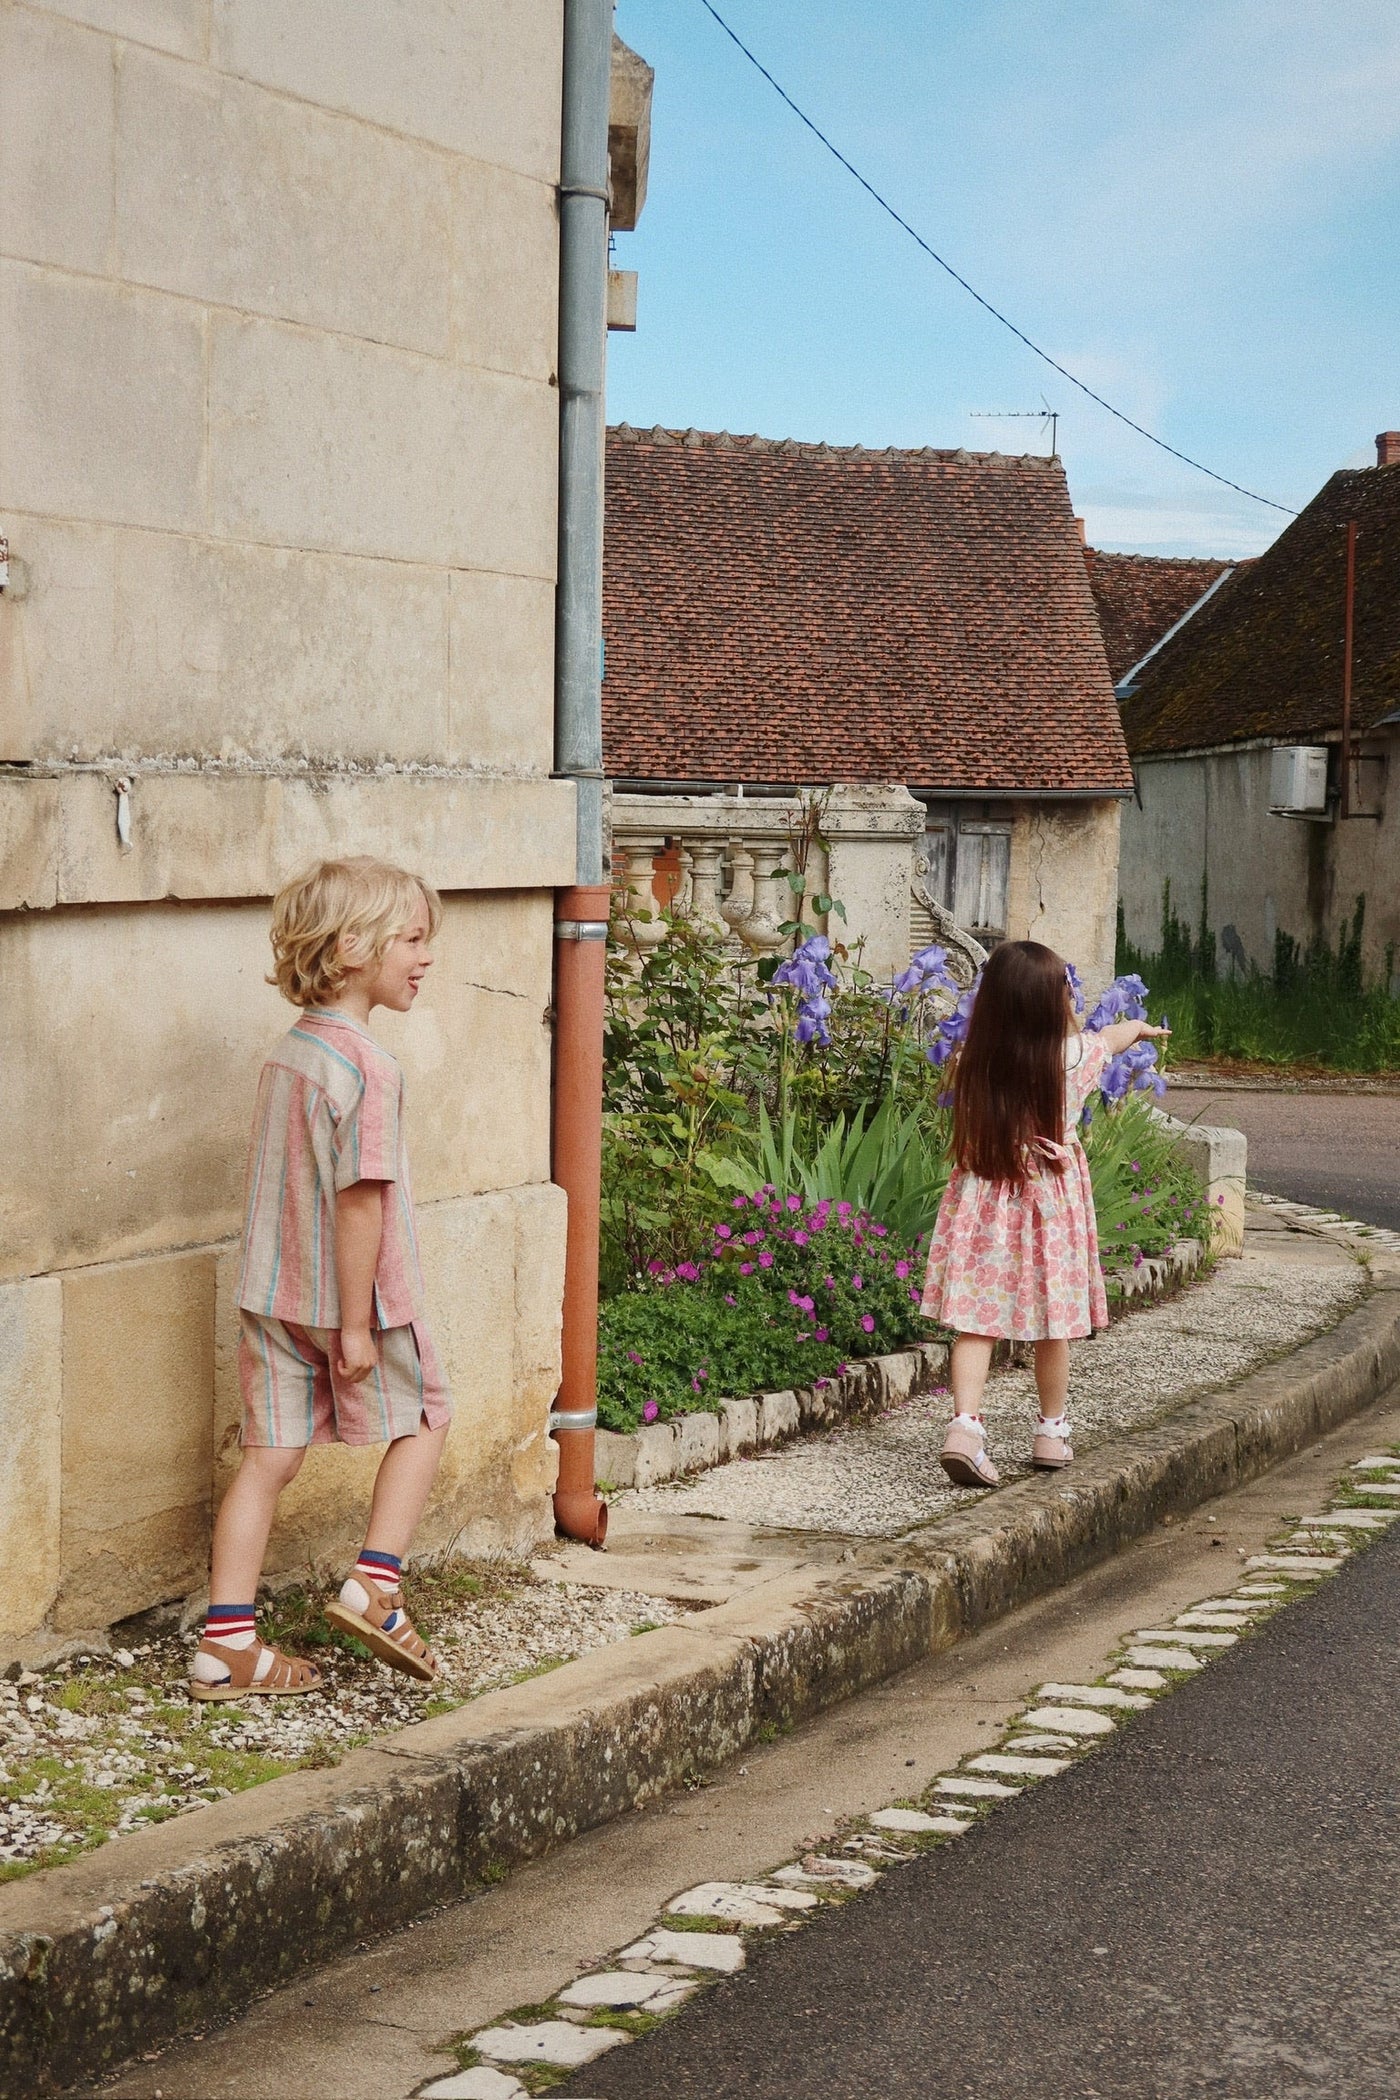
(359, 902)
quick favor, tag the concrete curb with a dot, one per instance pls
(134, 1943)
(707, 1437)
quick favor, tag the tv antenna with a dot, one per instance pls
(1044, 415)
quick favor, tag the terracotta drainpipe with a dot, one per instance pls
(581, 913)
(580, 931)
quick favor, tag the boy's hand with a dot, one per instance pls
(358, 1354)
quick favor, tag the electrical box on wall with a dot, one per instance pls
(1298, 780)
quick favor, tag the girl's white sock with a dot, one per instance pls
(962, 1421)
(1054, 1425)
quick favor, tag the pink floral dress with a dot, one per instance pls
(1023, 1264)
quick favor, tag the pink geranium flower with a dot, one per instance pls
(765, 1259)
(867, 1322)
(650, 1411)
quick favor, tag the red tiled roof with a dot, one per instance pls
(1140, 596)
(1264, 657)
(782, 614)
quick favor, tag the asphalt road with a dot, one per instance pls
(1340, 1151)
(1206, 1906)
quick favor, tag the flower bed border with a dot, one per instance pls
(694, 1442)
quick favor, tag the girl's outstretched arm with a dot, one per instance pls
(1123, 1034)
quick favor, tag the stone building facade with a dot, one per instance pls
(907, 636)
(1259, 667)
(278, 460)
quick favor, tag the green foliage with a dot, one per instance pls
(1312, 1007)
(783, 1297)
(766, 1205)
(678, 1348)
(1145, 1197)
(895, 1167)
(687, 1043)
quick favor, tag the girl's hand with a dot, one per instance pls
(1123, 1034)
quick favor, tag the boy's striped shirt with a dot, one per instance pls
(329, 1114)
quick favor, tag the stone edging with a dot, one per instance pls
(134, 1943)
(694, 1442)
(1329, 1224)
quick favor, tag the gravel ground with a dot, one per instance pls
(101, 1744)
(877, 1479)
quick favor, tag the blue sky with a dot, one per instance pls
(1194, 204)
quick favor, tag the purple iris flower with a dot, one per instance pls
(1132, 1071)
(807, 971)
(951, 1032)
(1125, 1000)
(927, 972)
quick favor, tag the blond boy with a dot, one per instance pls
(333, 1345)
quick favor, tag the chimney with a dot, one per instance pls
(1388, 448)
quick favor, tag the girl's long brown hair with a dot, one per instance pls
(1009, 1082)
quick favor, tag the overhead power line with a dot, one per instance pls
(971, 290)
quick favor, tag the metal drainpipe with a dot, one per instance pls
(581, 913)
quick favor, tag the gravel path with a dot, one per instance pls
(102, 1744)
(877, 1479)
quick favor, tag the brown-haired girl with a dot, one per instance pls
(1015, 1253)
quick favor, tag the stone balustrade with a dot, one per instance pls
(722, 859)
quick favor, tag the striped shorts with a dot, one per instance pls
(292, 1394)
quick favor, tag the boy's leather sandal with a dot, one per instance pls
(285, 1676)
(386, 1630)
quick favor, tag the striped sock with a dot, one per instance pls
(374, 1566)
(232, 1624)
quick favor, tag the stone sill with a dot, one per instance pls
(215, 834)
(693, 1443)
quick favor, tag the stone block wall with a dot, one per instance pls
(278, 460)
(1063, 882)
(1205, 818)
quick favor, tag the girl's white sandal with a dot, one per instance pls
(964, 1455)
(1052, 1448)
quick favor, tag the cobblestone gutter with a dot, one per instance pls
(135, 1942)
